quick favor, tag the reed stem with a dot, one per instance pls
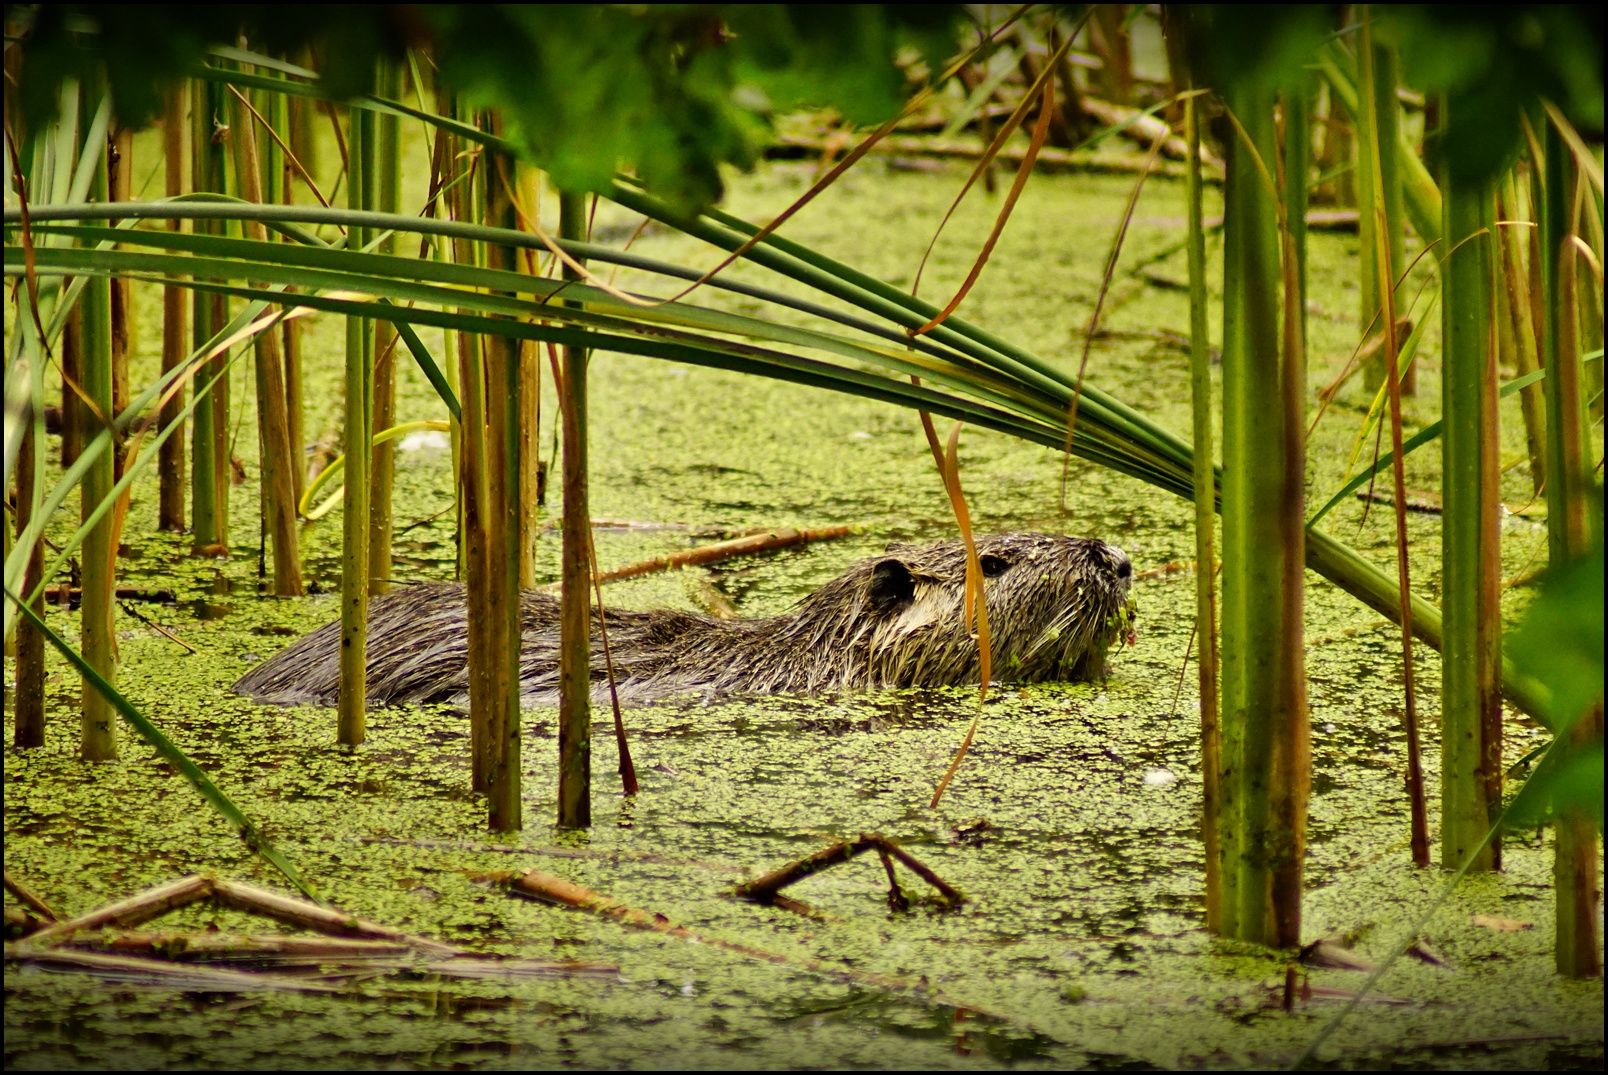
(1382, 281)
(29, 710)
(97, 724)
(1515, 288)
(209, 451)
(1260, 840)
(1471, 702)
(1205, 528)
(474, 493)
(388, 180)
(175, 344)
(359, 434)
(273, 420)
(1571, 528)
(505, 811)
(575, 664)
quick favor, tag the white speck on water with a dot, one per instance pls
(427, 440)
(860, 434)
(687, 990)
(1328, 728)
(1159, 778)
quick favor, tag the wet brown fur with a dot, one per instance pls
(889, 621)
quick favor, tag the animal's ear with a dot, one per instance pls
(891, 585)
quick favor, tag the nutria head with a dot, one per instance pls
(1054, 606)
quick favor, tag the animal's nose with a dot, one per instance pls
(1124, 566)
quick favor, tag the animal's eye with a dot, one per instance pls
(994, 566)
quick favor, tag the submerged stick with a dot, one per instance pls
(174, 975)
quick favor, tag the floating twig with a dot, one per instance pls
(765, 889)
(196, 888)
(153, 625)
(764, 541)
(28, 898)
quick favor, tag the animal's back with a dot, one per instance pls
(897, 620)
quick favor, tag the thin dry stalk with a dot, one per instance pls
(1040, 90)
(1387, 302)
(628, 777)
(278, 460)
(1099, 304)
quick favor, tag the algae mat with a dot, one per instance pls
(1072, 826)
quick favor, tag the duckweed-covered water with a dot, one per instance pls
(1072, 827)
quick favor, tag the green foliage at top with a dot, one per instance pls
(1494, 62)
(671, 90)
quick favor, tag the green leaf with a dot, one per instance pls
(1560, 641)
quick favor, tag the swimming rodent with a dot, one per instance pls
(1055, 604)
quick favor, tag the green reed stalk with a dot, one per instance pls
(505, 812)
(72, 408)
(170, 468)
(29, 706)
(575, 603)
(1291, 779)
(1379, 195)
(289, 117)
(1296, 105)
(279, 179)
(1422, 198)
(209, 425)
(97, 728)
(1471, 701)
(273, 421)
(388, 186)
(1515, 289)
(359, 435)
(1419, 824)
(474, 492)
(1570, 525)
(1200, 370)
(54, 153)
(119, 188)
(1257, 838)
(532, 480)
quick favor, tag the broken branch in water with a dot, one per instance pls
(764, 889)
(158, 901)
(722, 550)
(545, 886)
(28, 898)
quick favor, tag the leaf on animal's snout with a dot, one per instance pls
(1502, 925)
